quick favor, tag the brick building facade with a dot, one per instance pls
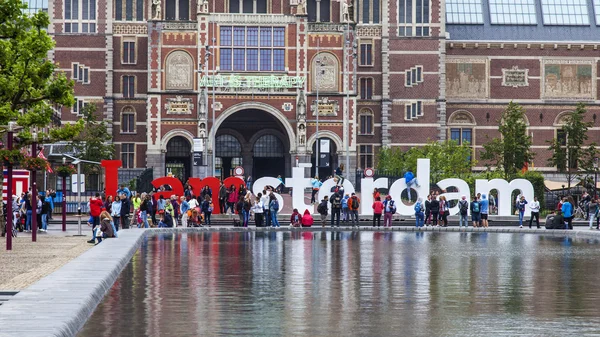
(241, 81)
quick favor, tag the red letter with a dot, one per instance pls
(111, 175)
(198, 184)
(176, 187)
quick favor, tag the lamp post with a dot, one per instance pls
(348, 54)
(317, 82)
(34, 200)
(9, 189)
(64, 199)
(214, 131)
(595, 177)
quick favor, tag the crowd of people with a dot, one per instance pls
(22, 211)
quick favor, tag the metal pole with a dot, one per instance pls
(214, 131)
(318, 144)
(34, 198)
(79, 197)
(347, 114)
(9, 192)
(64, 204)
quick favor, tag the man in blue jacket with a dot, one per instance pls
(410, 179)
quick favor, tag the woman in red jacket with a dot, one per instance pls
(377, 211)
(307, 219)
(96, 205)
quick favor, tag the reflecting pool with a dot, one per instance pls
(355, 284)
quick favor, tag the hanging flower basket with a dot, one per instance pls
(66, 170)
(34, 164)
(11, 157)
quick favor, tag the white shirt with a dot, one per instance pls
(193, 203)
(535, 206)
(264, 200)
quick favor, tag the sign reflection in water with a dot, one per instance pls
(354, 283)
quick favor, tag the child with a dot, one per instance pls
(295, 219)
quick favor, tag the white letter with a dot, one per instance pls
(259, 185)
(423, 176)
(298, 183)
(463, 189)
(367, 185)
(504, 199)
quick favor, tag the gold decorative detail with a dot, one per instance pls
(368, 32)
(130, 29)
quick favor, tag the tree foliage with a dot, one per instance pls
(29, 82)
(94, 142)
(570, 154)
(512, 151)
(448, 159)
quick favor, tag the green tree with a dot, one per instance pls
(512, 151)
(94, 142)
(570, 155)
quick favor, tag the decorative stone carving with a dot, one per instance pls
(368, 32)
(461, 117)
(156, 15)
(202, 104)
(569, 79)
(301, 134)
(466, 78)
(179, 106)
(217, 106)
(301, 8)
(179, 71)
(202, 7)
(301, 106)
(326, 27)
(326, 107)
(515, 77)
(130, 29)
(179, 26)
(345, 11)
(287, 107)
(325, 71)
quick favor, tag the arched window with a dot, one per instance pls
(365, 122)
(179, 147)
(461, 125)
(268, 146)
(128, 120)
(228, 146)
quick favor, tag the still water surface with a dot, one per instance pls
(355, 284)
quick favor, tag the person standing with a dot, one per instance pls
(274, 208)
(115, 211)
(316, 186)
(463, 212)
(346, 209)
(567, 210)
(475, 214)
(258, 211)
(184, 207)
(249, 183)
(45, 211)
(161, 203)
(535, 212)
(265, 201)
(222, 198)
(435, 210)
(207, 209)
(354, 206)
(232, 199)
(444, 211)
(95, 211)
(521, 207)
(428, 210)
(336, 209)
(419, 216)
(145, 209)
(125, 210)
(389, 209)
(322, 209)
(484, 209)
(377, 211)
(247, 207)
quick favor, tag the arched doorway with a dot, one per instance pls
(178, 158)
(264, 146)
(268, 156)
(228, 156)
(328, 159)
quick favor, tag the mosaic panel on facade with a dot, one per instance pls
(568, 79)
(466, 78)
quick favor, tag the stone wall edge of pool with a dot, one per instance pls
(61, 303)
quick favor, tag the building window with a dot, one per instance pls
(366, 53)
(513, 12)
(565, 12)
(128, 52)
(366, 88)
(128, 155)
(80, 16)
(462, 136)
(177, 10)
(366, 122)
(464, 11)
(318, 10)
(128, 120)
(129, 10)
(252, 49)
(128, 86)
(248, 6)
(413, 17)
(79, 106)
(597, 11)
(413, 110)
(80, 73)
(370, 11)
(365, 156)
(34, 6)
(414, 76)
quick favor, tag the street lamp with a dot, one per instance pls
(9, 188)
(595, 178)
(64, 198)
(348, 53)
(34, 201)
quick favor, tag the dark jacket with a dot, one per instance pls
(107, 229)
(168, 219)
(558, 222)
(125, 207)
(336, 201)
(322, 208)
(434, 206)
(427, 206)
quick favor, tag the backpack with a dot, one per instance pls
(475, 207)
(336, 202)
(354, 203)
(417, 207)
(322, 208)
(275, 206)
(464, 206)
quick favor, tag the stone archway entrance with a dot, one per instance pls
(255, 140)
(178, 158)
